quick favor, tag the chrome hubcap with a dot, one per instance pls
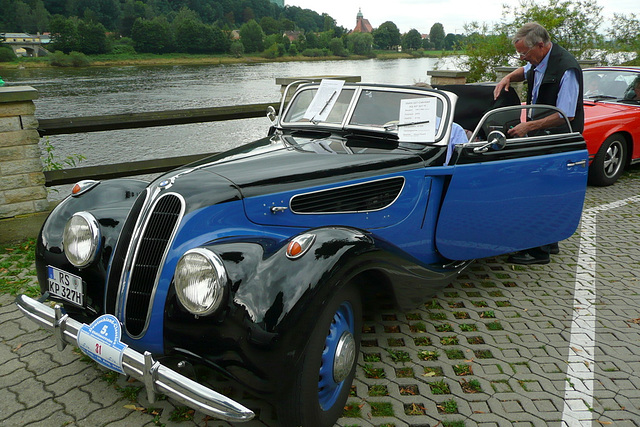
(613, 160)
(344, 357)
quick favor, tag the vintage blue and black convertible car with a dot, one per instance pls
(254, 262)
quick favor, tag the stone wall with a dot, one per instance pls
(22, 189)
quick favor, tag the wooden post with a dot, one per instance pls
(22, 181)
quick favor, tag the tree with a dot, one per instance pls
(386, 36)
(360, 43)
(450, 42)
(252, 37)
(270, 26)
(571, 23)
(64, 33)
(626, 33)
(152, 36)
(92, 38)
(189, 32)
(436, 36)
(412, 40)
(336, 46)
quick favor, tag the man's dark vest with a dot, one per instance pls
(559, 61)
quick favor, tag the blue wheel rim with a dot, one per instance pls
(328, 389)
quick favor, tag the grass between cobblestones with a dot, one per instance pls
(17, 269)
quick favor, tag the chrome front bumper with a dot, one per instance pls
(156, 377)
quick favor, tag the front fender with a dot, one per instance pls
(261, 333)
(109, 202)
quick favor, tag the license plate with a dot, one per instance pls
(66, 286)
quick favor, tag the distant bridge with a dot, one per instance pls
(26, 44)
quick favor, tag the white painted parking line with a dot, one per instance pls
(579, 387)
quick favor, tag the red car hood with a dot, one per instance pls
(598, 110)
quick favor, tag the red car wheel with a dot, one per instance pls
(608, 164)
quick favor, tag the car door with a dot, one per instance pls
(512, 194)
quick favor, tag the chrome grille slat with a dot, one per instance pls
(151, 251)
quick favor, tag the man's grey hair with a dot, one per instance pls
(532, 33)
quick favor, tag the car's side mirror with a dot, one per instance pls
(496, 141)
(272, 115)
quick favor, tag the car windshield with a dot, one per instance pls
(609, 84)
(411, 114)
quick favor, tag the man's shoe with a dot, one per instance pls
(525, 258)
(554, 248)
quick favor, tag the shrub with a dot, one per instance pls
(237, 49)
(6, 54)
(73, 59)
(313, 53)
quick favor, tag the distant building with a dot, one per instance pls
(292, 35)
(278, 2)
(362, 24)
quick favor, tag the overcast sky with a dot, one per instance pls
(422, 14)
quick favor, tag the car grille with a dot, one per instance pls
(120, 254)
(152, 247)
(369, 196)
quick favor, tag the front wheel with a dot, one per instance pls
(608, 163)
(328, 366)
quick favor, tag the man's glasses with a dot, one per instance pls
(522, 56)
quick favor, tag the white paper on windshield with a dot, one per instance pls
(417, 120)
(323, 102)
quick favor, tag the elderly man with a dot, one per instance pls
(554, 77)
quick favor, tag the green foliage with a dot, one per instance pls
(6, 54)
(276, 50)
(360, 43)
(252, 36)
(315, 53)
(236, 49)
(92, 38)
(386, 36)
(15, 260)
(625, 35)
(436, 36)
(50, 161)
(412, 40)
(571, 23)
(152, 36)
(64, 33)
(73, 59)
(336, 46)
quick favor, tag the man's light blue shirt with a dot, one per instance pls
(569, 86)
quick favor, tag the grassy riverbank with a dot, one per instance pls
(186, 59)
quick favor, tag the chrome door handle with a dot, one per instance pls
(582, 163)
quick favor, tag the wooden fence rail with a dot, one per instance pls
(69, 125)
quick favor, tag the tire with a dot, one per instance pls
(608, 163)
(317, 398)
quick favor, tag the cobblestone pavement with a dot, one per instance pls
(503, 345)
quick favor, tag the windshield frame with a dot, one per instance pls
(445, 100)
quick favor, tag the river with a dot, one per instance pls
(70, 92)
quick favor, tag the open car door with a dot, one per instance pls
(507, 195)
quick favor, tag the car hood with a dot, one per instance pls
(286, 162)
(597, 110)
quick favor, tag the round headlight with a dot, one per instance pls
(200, 281)
(81, 239)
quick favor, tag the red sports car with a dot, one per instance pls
(612, 121)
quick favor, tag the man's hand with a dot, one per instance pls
(505, 83)
(520, 130)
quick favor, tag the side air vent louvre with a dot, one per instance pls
(365, 197)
